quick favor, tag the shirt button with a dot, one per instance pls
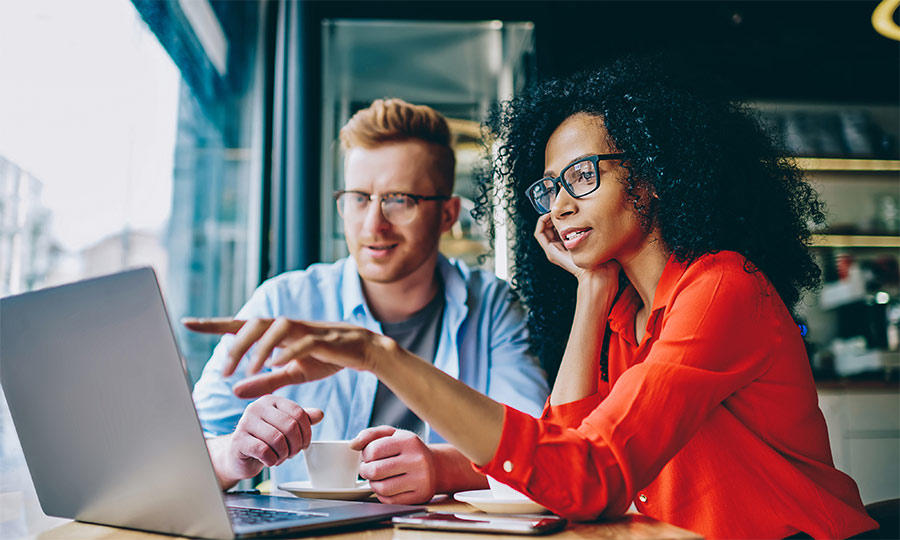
(642, 498)
(507, 466)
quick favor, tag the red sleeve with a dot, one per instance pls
(573, 413)
(714, 339)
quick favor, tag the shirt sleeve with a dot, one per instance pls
(573, 413)
(218, 409)
(713, 341)
(516, 378)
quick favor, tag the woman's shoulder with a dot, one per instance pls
(730, 271)
(723, 259)
(727, 282)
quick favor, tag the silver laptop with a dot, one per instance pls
(102, 405)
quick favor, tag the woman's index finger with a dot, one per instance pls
(213, 325)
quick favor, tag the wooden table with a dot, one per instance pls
(630, 526)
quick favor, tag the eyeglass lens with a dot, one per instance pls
(396, 208)
(580, 179)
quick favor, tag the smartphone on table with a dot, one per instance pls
(493, 523)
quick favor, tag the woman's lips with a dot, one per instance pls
(572, 237)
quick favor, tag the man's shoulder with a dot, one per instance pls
(318, 279)
(476, 278)
(483, 289)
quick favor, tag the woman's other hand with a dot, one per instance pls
(602, 278)
(549, 240)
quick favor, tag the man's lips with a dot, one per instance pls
(379, 250)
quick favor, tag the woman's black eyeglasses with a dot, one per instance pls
(578, 179)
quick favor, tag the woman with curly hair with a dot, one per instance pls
(671, 245)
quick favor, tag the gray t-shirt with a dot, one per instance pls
(419, 335)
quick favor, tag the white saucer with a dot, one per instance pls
(305, 489)
(484, 500)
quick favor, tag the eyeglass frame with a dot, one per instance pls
(595, 159)
(381, 198)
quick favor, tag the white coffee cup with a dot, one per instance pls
(332, 464)
(499, 491)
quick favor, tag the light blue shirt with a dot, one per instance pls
(483, 343)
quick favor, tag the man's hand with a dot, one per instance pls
(271, 430)
(398, 464)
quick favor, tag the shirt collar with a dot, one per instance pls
(621, 316)
(455, 277)
(666, 287)
(352, 297)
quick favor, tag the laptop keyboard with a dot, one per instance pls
(255, 516)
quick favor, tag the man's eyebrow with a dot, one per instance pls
(548, 172)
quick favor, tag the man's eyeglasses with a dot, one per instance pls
(578, 179)
(397, 208)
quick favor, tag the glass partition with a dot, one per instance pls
(459, 68)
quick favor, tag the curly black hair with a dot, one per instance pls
(721, 182)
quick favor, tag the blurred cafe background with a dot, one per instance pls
(198, 136)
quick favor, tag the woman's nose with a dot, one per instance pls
(563, 204)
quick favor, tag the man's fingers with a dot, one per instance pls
(407, 497)
(283, 404)
(213, 325)
(382, 448)
(391, 487)
(275, 438)
(315, 415)
(264, 443)
(289, 427)
(382, 469)
(370, 434)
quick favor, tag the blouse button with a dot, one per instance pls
(507, 466)
(642, 498)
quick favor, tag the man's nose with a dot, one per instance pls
(373, 219)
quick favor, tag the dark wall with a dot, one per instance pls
(769, 50)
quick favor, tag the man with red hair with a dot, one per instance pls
(398, 200)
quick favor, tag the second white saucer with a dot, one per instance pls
(485, 501)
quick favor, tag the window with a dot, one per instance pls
(124, 147)
(130, 135)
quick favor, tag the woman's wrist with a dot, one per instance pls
(385, 354)
(597, 285)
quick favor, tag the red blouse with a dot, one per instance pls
(710, 423)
